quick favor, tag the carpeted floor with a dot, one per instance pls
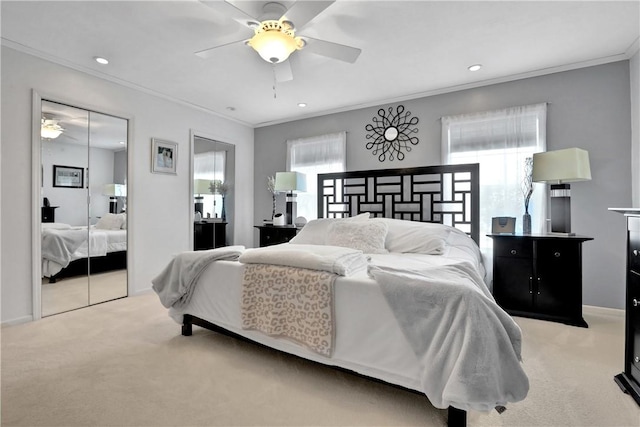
(124, 363)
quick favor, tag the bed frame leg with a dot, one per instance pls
(456, 417)
(187, 328)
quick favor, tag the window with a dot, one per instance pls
(311, 156)
(210, 166)
(500, 141)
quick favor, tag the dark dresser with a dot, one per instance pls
(629, 380)
(539, 276)
(276, 234)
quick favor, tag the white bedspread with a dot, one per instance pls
(62, 243)
(334, 259)
(58, 245)
(370, 338)
(174, 285)
(469, 348)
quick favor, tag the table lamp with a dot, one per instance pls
(290, 182)
(114, 191)
(200, 186)
(559, 168)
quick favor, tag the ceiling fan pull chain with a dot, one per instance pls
(273, 67)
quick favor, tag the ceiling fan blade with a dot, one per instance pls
(209, 53)
(231, 9)
(304, 11)
(282, 71)
(332, 50)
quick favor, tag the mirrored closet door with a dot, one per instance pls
(83, 208)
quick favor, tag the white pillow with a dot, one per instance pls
(315, 231)
(367, 236)
(415, 237)
(110, 221)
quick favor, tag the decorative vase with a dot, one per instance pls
(526, 223)
(223, 213)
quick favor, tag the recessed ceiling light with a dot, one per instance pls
(101, 60)
(475, 67)
(302, 104)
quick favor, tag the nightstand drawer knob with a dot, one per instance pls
(636, 359)
(556, 254)
(513, 252)
(635, 252)
(635, 302)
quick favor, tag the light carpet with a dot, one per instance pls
(124, 363)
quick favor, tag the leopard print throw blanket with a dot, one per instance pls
(290, 302)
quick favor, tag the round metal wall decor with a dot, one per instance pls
(391, 133)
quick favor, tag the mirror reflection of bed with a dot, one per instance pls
(84, 239)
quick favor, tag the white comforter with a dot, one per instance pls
(62, 243)
(468, 347)
(452, 363)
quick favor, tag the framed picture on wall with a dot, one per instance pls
(164, 156)
(68, 176)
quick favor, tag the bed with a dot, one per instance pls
(391, 238)
(69, 251)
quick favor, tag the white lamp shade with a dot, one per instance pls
(561, 166)
(114, 190)
(201, 186)
(290, 181)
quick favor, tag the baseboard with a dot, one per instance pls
(603, 310)
(17, 321)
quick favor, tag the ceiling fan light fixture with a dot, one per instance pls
(275, 41)
(50, 129)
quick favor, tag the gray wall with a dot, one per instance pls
(588, 108)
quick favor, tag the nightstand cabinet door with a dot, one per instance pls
(558, 278)
(513, 271)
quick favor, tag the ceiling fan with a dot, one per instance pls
(275, 38)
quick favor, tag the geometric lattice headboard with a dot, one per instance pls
(447, 194)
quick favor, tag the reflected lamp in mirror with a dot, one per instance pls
(200, 187)
(290, 182)
(114, 191)
(559, 168)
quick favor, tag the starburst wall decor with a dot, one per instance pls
(390, 133)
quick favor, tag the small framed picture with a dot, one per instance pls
(164, 156)
(68, 176)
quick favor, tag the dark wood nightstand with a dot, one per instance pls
(276, 234)
(539, 276)
(49, 213)
(209, 235)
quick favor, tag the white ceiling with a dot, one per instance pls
(409, 49)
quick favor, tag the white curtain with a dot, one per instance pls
(500, 141)
(210, 166)
(311, 156)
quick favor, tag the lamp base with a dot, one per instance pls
(561, 208)
(113, 205)
(291, 209)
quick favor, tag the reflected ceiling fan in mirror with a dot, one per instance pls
(275, 36)
(50, 129)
